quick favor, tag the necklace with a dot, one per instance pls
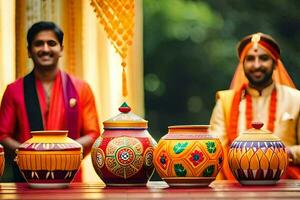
(234, 113)
(272, 111)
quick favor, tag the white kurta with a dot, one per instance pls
(287, 121)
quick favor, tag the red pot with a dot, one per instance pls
(123, 154)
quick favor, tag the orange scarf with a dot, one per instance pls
(234, 114)
(53, 118)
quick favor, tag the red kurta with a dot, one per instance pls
(14, 120)
(13, 115)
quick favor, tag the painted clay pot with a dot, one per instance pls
(49, 159)
(188, 156)
(257, 157)
(2, 160)
(123, 154)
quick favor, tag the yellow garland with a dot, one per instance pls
(117, 18)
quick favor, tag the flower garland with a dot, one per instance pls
(272, 111)
(234, 114)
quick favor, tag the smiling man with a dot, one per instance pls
(261, 90)
(45, 99)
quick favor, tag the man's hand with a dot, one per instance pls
(290, 156)
(86, 142)
(10, 143)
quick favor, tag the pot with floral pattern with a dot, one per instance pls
(257, 157)
(123, 154)
(49, 159)
(2, 160)
(188, 156)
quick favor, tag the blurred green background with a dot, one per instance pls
(190, 52)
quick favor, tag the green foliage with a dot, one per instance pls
(179, 147)
(179, 170)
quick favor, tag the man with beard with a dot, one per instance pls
(260, 91)
(45, 99)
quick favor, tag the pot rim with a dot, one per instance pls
(188, 126)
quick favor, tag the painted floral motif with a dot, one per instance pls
(149, 157)
(196, 157)
(100, 158)
(124, 156)
(209, 171)
(179, 147)
(211, 147)
(180, 170)
(163, 160)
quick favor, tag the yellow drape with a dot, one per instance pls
(7, 43)
(88, 53)
(102, 67)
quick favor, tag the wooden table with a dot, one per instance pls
(285, 189)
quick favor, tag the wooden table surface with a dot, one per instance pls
(285, 189)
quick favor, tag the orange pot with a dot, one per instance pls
(49, 159)
(257, 157)
(188, 156)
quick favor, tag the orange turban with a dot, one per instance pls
(266, 42)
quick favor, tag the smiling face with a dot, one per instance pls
(258, 67)
(45, 50)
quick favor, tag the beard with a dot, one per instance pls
(265, 80)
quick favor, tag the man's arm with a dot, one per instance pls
(90, 123)
(10, 143)
(86, 142)
(8, 120)
(217, 122)
(218, 128)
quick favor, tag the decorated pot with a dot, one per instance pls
(257, 157)
(49, 159)
(2, 160)
(188, 156)
(123, 154)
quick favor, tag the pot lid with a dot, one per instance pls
(257, 134)
(125, 119)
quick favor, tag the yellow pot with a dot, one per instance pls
(257, 157)
(49, 159)
(188, 156)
